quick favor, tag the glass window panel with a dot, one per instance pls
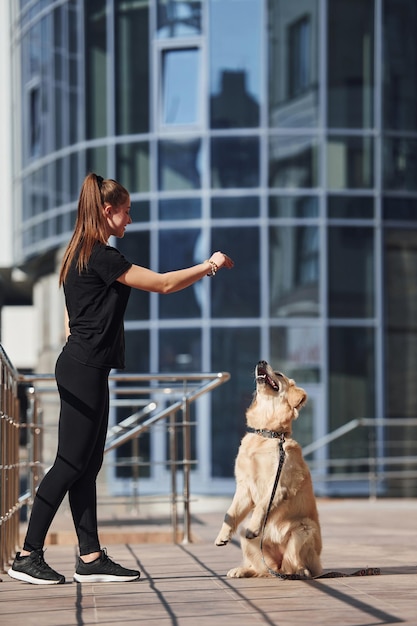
(177, 249)
(350, 207)
(178, 18)
(132, 166)
(235, 63)
(140, 211)
(181, 88)
(234, 162)
(180, 350)
(238, 207)
(230, 401)
(179, 165)
(180, 209)
(294, 264)
(131, 66)
(400, 64)
(293, 41)
(236, 293)
(137, 362)
(135, 247)
(400, 314)
(399, 209)
(293, 206)
(400, 163)
(297, 352)
(350, 63)
(293, 162)
(96, 160)
(96, 69)
(351, 263)
(351, 389)
(350, 162)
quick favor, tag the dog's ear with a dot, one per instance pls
(296, 397)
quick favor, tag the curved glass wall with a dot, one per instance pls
(282, 132)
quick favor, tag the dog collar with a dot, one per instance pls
(263, 432)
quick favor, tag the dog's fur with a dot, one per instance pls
(291, 539)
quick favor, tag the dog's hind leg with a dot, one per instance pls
(241, 506)
(300, 556)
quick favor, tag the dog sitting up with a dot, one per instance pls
(289, 543)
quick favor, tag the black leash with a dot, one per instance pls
(272, 434)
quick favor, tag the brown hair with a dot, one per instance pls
(90, 225)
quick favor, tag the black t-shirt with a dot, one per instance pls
(96, 303)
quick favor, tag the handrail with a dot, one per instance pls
(378, 464)
(189, 386)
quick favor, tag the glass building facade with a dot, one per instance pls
(283, 132)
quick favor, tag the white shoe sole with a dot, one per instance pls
(30, 579)
(103, 578)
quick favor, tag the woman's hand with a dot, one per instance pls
(221, 260)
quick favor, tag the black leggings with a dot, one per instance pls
(83, 421)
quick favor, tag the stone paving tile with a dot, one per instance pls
(186, 585)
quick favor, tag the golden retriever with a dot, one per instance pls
(289, 543)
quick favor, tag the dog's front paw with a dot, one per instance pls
(221, 541)
(251, 534)
(223, 537)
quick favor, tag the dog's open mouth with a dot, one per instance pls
(263, 376)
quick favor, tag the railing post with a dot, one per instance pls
(173, 470)
(186, 433)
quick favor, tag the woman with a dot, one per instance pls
(97, 280)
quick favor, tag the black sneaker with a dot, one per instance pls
(33, 569)
(103, 570)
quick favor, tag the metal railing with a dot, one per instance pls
(179, 392)
(9, 457)
(376, 467)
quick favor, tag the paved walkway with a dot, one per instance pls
(186, 585)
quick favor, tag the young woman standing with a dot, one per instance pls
(97, 280)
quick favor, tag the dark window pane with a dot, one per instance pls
(293, 162)
(135, 247)
(399, 209)
(181, 88)
(230, 401)
(294, 264)
(400, 314)
(299, 55)
(96, 69)
(400, 64)
(351, 390)
(400, 164)
(180, 209)
(293, 206)
(140, 211)
(178, 18)
(236, 293)
(132, 166)
(351, 266)
(235, 63)
(137, 362)
(350, 162)
(239, 207)
(178, 249)
(350, 63)
(179, 165)
(132, 67)
(293, 41)
(96, 160)
(180, 350)
(234, 162)
(350, 207)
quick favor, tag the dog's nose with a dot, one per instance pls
(262, 364)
